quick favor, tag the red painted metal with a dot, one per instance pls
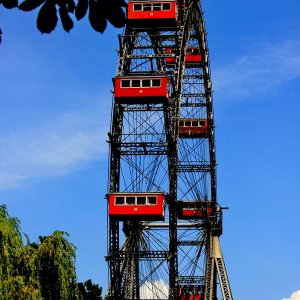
(193, 57)
(142, 89)
(137, 206)
(193, 210)
(145, 13)
(189, 128)
(188, 296)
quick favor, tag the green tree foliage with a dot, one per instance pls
(36, 271)
(56, 260)
(99, 12)
(10, 247)
(90, 291)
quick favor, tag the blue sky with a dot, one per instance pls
(55, 114)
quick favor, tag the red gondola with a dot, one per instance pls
(137, 206)
(190, 292)
(159, 13)
(190, 297)
(193, 210)
(192, 58)
(141, 89)
(189, 128)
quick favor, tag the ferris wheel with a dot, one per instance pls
(164, 220)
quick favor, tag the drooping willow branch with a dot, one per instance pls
(42, 270)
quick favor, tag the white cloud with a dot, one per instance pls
(56, 147)
(157, 289)
(294, 296)
(265, 66)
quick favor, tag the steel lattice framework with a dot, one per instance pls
(161, 259)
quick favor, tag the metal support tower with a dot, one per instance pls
(179, 256)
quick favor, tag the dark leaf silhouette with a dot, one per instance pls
(121, 3)
(47, 17)
(81, 9)
(114, 13)
(97, 15)
(29, 5)
(10, 3)
(71, 6)
(66, 21)
(100, 11)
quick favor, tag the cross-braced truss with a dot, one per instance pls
(180, 256)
